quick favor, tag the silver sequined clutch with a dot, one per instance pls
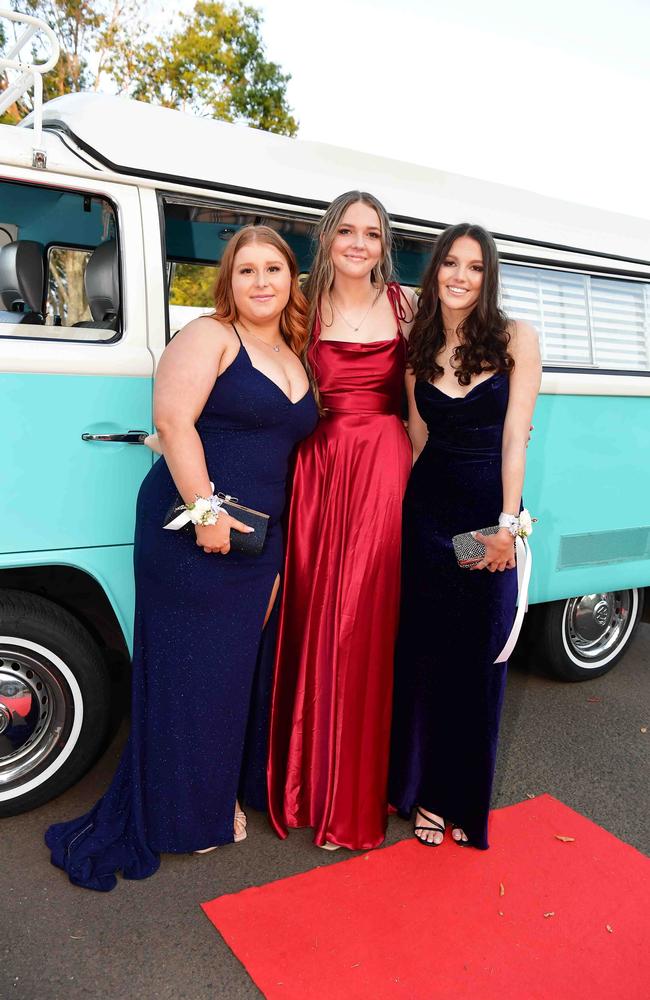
(468, 550)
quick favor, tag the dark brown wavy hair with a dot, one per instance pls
(484, 333)
(294, 319)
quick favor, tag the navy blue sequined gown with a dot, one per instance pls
(454, 622)
(201, 664)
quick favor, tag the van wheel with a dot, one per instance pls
(584, 637)
(54, 701)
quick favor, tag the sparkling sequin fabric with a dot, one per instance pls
(201, 665)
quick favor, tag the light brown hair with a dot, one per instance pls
(294, 318)
(321, 275)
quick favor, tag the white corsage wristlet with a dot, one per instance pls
(469, 551)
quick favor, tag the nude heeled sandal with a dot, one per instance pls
(240, 818)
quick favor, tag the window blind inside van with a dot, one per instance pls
(581, 319)
(619, 323)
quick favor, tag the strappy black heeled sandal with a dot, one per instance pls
(459, 841)
(433, 827)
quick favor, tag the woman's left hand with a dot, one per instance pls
(499, 551)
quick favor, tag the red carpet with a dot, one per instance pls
(533, 918)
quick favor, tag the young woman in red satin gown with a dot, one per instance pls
(331, 707)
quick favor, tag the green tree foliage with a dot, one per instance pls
(211, 62)
(88, 31)
(193, 284)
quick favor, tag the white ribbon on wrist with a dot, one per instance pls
(524, 559)
(185, 516)
(179, 521)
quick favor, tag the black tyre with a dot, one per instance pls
(54, 701)
(584, 637)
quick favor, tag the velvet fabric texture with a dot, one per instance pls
(454, 622)
(202, 665)
(330, 720)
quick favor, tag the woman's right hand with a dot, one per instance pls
(153, 441)
(216, 537)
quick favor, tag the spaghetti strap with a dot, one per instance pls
(315, 333)
(397, 300)
(237, 332)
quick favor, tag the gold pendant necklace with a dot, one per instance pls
(365, 317)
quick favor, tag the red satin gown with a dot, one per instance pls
(331, 706)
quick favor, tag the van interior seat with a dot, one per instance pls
(102, 284)
(22, 282)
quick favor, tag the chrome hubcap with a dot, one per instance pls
(36, 713)
(595, 624)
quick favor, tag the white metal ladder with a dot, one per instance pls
(30, 74)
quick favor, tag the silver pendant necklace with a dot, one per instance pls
(354, 328)
(274, 347)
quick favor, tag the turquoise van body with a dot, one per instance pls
(98, 243)
(587, 482)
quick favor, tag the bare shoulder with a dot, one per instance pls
(205, 332)
(524, 349)
(202, 340)
(410, 300)
(523, 336)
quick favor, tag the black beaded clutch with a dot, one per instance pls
(251, 544)
(468, 550)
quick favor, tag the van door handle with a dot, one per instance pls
(131, 437)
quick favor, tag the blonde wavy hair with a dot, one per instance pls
(321, 275)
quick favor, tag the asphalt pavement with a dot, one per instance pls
(582, 743)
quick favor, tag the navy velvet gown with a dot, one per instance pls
(454, 622)
(202, 665)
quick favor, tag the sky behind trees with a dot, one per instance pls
(550, 96)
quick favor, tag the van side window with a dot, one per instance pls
(196, 234)
(66, 294)
(192, 284)
(59, 265)
(583, 320)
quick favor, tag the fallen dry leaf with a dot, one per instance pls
(610, 928)
(502, 889)
(551, 913)
(565, 840)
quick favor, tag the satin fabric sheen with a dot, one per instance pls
(331, 707)
(454, 622)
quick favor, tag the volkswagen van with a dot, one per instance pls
(112, 225)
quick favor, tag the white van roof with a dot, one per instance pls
(140, 139)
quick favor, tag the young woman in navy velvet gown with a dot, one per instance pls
(231, 401)
(473, 379)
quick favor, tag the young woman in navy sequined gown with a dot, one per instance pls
(232, 400)
(472, 385)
